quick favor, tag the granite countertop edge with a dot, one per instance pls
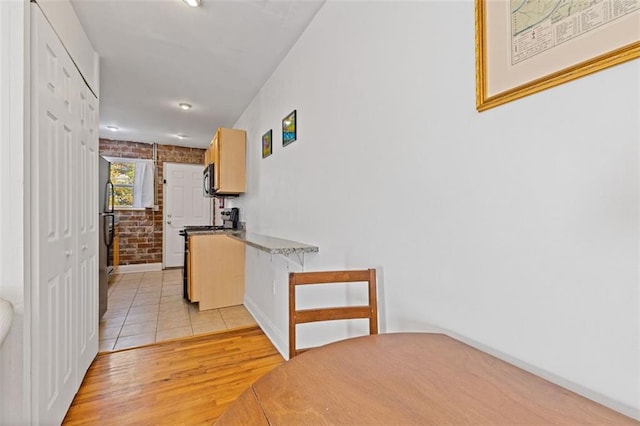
(272, 245)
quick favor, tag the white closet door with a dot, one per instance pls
(87, 228)
(64, 306)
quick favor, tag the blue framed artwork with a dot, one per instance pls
(289, 129)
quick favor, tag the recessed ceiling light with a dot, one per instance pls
(192, 3)
(185, 106)
(113, 128)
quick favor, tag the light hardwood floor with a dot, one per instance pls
(188, 381)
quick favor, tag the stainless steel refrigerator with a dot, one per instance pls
(107, 223)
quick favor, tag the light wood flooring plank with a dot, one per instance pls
(188, 381)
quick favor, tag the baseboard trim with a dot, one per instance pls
(268, 327)
(139, 267)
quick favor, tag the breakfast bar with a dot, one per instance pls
(273, 245)
(214, 262)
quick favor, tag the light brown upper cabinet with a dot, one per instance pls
(227, 153)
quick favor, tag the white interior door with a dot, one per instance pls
(87, 225)
(184, 204)
(64, 233)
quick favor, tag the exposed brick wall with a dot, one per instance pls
(141, 231)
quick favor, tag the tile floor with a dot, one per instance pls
(148, 307)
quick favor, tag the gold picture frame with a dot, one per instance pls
(501, 79)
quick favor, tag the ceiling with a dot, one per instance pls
(155, 54)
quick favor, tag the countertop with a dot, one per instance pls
(266, 243)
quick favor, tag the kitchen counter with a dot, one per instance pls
(210, 231)
(271, 245)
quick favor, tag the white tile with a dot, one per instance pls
(174, 314)
(112, 322)
(122, 294)
(109, 332)
(119, 304)
(145, 300)
(234, 311)
(173, 306)
(153, 289)
(212, 315)
(177, 298)
(208, 327)
(172, 290)
(237, 322)
(165, 323)
(173, 333)
(143, 317)
(135, 310)
(138, 328)
(173, 282)
(134, 276)
(133, 341)
(106, 345)
(115, 312)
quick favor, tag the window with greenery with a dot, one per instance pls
(122, 177)
(133, 182)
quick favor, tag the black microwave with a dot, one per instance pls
(209, 184)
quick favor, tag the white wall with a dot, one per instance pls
(516, 228)
(14, 354)
(63, 18)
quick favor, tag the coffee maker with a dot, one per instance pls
(230, 218)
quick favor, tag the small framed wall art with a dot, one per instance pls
(267, 144)
(289, 129)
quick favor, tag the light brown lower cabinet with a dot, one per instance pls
(216, 271)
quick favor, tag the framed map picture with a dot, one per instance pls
(267, 144)
(289, 128)
(525, 46)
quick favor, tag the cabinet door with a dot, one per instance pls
(230, 157)
(214, 157)
(195, 274)
(218, 270)
(208, 155)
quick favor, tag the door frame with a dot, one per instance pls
(15, 223)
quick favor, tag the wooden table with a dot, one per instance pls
(409, 378)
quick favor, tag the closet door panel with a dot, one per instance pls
(64, 240)
(87, 190)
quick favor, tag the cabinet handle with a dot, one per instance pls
(84, 247)
(168, 222)
(68, 253)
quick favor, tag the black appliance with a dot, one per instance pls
(230, 218)
(107, 223)
(209, 184)
(185, 269)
